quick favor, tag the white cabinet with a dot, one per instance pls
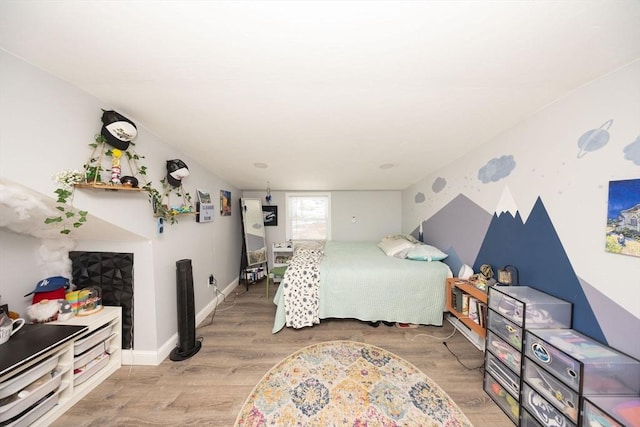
(42, 389)
(281, 254)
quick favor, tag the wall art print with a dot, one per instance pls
(270, 214)
(225, 203)
(623, 217)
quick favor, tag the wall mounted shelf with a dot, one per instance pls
(178, 214)
(108, 186)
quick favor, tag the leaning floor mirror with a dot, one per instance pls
(254, 247)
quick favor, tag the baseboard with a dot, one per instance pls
(474, 338)
(154, 358)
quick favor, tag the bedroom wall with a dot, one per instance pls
(46, 126)
(536, 197)
(376, 213)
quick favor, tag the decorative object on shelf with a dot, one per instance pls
(51, 288)
(420, 233)
(130, 181)
(270, 214)
(465, 272)
(268, 196)
(176, 170)
(115, 166)
(67, 180)
(508, 275)
(225, 203)
(162, 207)
(44, 311)
(117, 130)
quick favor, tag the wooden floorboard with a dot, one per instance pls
(238, 348)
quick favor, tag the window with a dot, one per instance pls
(308, 216)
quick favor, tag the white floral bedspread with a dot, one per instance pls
(300, 286)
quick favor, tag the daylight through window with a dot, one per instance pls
(309, 216)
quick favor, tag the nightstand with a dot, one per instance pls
(281, 254)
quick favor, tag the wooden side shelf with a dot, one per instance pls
(470, 289)
(108, 186)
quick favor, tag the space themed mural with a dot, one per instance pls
(594, 139)
(539, 197)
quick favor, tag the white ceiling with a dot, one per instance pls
(324, 93)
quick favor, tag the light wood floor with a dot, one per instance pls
(238, 348)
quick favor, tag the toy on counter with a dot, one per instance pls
(91, 301)
(51, 288)
(44, 311)
(85, 301)
(65, 312)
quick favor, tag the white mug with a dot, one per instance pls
(8, 330)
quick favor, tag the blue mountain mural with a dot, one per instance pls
(535, 249)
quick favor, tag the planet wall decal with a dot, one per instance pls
(594, 139)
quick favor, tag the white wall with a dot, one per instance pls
(574, 189)
(45, 127)
(377, 214)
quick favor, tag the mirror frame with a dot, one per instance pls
(253, 231)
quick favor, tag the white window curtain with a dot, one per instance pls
(308, 216)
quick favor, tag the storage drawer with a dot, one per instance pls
(611, 411)
(90, 369)
(529, 307)
(95, 337)
(504, 375)
(19, 402)
(582, 363)
(542, 410)
(89, 355)
(556, 392)
(23, 379)
(36, 411)
(505, 329)
(503, 351)
(528, 420)
(503, 399)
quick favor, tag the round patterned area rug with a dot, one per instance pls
(347, 383)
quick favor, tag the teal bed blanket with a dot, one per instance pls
(358, 280)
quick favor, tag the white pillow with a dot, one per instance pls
(426, 253)
(392, 247)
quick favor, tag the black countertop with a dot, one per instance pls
(31, 341)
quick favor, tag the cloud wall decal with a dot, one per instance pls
(496, 169)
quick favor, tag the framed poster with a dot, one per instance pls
(225, 203)
(623, 217)
(270, 214)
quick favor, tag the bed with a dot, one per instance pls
(360, 280)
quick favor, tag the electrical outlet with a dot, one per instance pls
(212, 281)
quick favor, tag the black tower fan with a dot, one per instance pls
(187, 343)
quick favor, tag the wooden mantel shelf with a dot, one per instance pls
(108, 187)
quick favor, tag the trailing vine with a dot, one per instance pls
(69, 215)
